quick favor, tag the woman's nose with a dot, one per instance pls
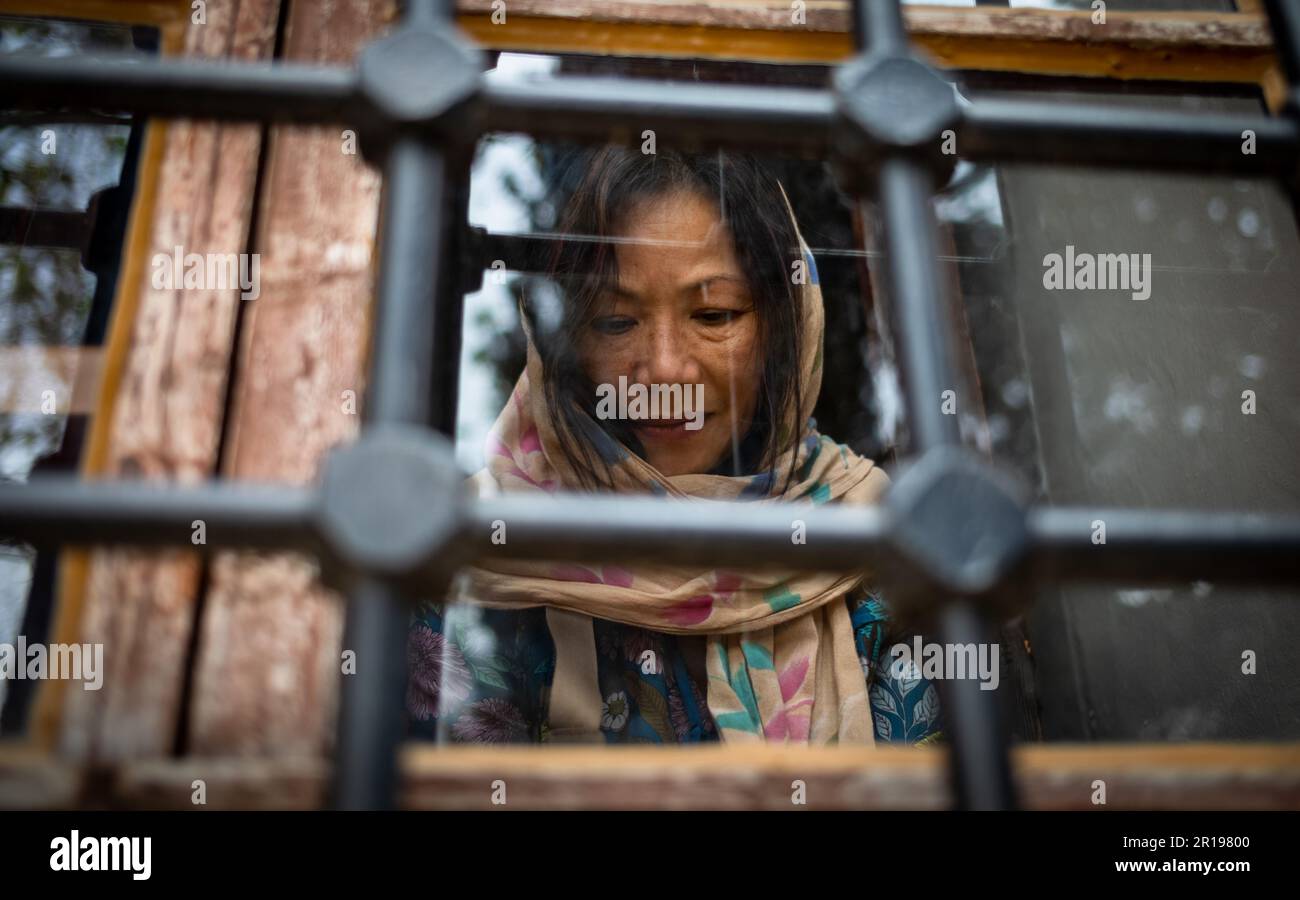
(669, 357)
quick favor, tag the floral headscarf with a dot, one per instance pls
(781, 659)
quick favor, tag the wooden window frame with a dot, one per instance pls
(1174, 46)
(140, 360)
(50, 768)
(170, 20)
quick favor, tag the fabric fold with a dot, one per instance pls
(574, 711)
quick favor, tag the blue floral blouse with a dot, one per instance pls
(479, 675)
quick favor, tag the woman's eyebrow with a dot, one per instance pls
(622, 292)
(697, 285)
(705, 282)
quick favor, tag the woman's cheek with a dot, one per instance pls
(604, 360)
(753, 369)
(743, 352)
(732, 349)
(619, 360)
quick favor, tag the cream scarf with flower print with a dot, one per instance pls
(782, 665)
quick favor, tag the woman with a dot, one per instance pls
(680, 271)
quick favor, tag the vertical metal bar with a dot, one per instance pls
(918, 318)
(401, 361)
(878, 26)
(449, 309)
(370, 700)
(1284, 19)
(981, 772)
(427, 11)
(409, 322)
(981, 769)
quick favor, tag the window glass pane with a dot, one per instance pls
(66, 182)
(1095, 397)
(681, 300)
(1149, 394)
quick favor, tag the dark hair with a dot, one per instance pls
(612, 179)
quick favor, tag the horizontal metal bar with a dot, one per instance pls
(57, 510)
(1163, 546)
(598, 108)
(249, 92)
(1002, 131)
(650, 530)
(1140, 546)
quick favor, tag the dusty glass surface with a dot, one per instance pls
(643, 268)
(1171, 385)
(1163, 380)
(55, 283)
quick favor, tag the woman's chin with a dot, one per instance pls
(681, 451)
(678, 459)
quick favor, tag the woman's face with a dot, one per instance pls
(680, 314)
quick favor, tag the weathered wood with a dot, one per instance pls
(268, 667)
(32, 779)
(137, 12)
(1189, 776)
(160, 412)
(227, 783)
(698, 778)
(1053, 776)
(1178, 45)
(1210, 28)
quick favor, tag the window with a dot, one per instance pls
(385, 512)
(1101, 398)
(482, 675)
(66, 187)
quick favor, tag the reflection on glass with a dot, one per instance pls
(1142, 392)
(1095, 396)
(673, 346)
(61, 225)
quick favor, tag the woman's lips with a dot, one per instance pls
(666, 429)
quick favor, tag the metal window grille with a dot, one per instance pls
(389, 519)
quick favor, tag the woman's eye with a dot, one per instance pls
(613, 324)
(718, 316)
